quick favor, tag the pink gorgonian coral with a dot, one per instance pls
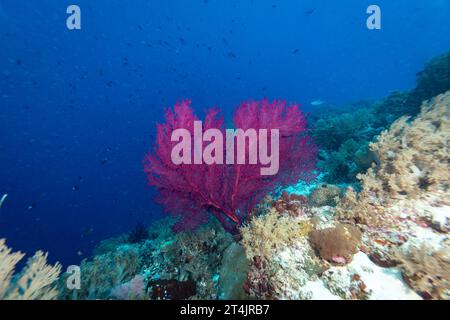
(131, 290)
(228, 191)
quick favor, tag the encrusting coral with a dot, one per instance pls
(37, 281)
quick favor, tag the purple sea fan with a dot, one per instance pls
(228, 191)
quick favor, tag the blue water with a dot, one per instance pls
(78, 108)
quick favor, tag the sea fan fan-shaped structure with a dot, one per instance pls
(229, 191)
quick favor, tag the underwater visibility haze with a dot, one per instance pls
(349, 200)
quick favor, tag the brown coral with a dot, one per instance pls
(337, 244)
(426, 271)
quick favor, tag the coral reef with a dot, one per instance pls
(358, 208)
(141, 270)
(325, 195)
(233, 273)
(270, 232)
(412, 162)
(340, 165)
(131, 290)
(337, 244)
(344, 137)
(104, 273)
(427, 271)
(281, 258)
(363, 280)
(229, 192)
(432, 81)
(385, 237)
(37, 280)
(290, 204)
(331, 132)
(403, 202)
(413, 156)
(171, 289)
(195, 256)
(368, 245)
(138, 234)
(392, 107)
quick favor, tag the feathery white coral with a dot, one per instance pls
(35, 282)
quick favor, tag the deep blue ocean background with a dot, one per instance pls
(78, 108)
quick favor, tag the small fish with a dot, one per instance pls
(3, 198)
(75, 188)
(79, 253)
(317, 103)
(32, 206)
(87, 232)
(104, 161)
(310, 11)
(232, 55)
(295, 51)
